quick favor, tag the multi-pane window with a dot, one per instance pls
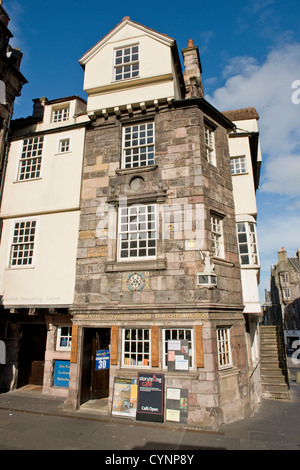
(138, 145)
(31, 158)
(22, 247)
(175, 335)
(61, 114)
(247, 243)
(136, 347)
(137, 231)
(238, 165)
(64, 145)
(217, 235)
(126, 63)
(286, 293)
(224, 350)
(210, 145)
(64, 338)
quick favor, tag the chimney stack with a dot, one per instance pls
(192, 71)
(38, 108)
(282, 254)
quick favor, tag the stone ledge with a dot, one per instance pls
(122, 266)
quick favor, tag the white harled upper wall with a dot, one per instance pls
(157, 78)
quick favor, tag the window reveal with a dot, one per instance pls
(126, 63)
(31, 158)
(137, 231)
(138, 145)
(23, 243)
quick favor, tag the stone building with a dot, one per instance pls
(284, 297)
(157, 256)
(11, 82)
(132, 210)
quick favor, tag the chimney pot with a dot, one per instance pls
(190, 43)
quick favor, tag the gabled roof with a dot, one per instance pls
(125, 21)
(295, 263)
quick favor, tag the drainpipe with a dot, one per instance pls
(5, 163)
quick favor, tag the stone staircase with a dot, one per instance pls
(273, 367)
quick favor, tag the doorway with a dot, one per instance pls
(94, 383)
(31, 357)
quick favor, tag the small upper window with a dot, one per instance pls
(217, 235)
(238, 165)
(64, 145)
(126, 63)
(61, 114)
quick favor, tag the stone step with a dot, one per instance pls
(276, 395)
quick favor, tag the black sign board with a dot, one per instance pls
(150, 405)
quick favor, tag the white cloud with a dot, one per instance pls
(268, 87)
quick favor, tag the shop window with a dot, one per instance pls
(136, 347)
(64, 338)
(176, 334)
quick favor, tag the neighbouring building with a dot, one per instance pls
(245, 162)
(130, 240)
(283, 306)
(40, 213)
(11, 82)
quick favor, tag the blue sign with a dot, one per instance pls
(102, 360)
(61, 373)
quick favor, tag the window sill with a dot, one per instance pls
(136, 265)
(158, 197)
(136, 169)
(228, 371)
(222, 261)
(27, 180)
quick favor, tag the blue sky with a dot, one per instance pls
(250, 54)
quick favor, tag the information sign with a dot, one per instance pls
(178, 355)
(61, 373)
(124, 398)
(102, 359)
(177, 405)
(150, 405)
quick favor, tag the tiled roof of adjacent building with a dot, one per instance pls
(295, 263)
(242, 114)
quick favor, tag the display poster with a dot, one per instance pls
(177, 405)
(178, 355)
(150, 405)
(61, 373)
(124, 397)
(102, 359)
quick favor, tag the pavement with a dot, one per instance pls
(30, 420)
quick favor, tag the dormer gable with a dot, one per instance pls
(131, 64)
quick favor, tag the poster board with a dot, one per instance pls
(178, 356)
(124, 402)
(150, 404)
(177, 405)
